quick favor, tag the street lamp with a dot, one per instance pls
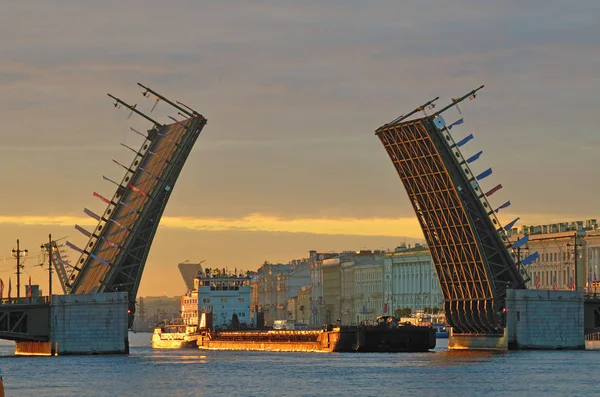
(50, 248)
(18, 253)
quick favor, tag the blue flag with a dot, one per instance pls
(510, 225)
(521, 241)
(530, 258)
(507, 204)
(484, 174)
(464, 140)
(474, 157)
(457, 122)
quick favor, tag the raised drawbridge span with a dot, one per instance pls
(116, 252)
(469, 247)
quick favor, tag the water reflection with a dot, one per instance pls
(461, 357)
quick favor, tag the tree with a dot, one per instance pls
(403, 312)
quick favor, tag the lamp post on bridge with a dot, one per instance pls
(18, 253)
(49, 249)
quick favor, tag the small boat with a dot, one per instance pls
(592, 341)
(441, 331)
(174, 336)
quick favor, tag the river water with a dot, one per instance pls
(172, 373)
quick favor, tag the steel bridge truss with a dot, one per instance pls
(114, 258)
(466, 241)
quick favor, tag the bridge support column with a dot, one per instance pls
(34, 349)
(545, 319)
(89, 324)
(477, 342)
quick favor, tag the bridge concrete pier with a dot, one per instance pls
(545, 319)
(83, 324)
(535, 319)
(477, 342)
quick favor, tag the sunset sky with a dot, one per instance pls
(293, 92)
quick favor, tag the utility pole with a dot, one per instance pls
(50, 249)
(17, 254)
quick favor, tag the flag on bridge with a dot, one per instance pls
(505, 205)
(510, 225)
(493, 190)
(530, 259)
(537, 282)
(463, 141)
(474, 157)
(29, 293)
(521, 241)
(457, 122)
(107, 201)
(1, 289)
(484, 174)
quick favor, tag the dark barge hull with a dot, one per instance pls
(344, 339)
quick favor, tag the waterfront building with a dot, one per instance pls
(330, 304)
(347, 314)
(368, 288)
(189, 306)
(161, 308)
(189, 271)
(224, 295)
(411, 281)
(569, 255)
(275, 284)
(304, 298)
(292, 309)
(317, 307)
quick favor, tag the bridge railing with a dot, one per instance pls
(24, 301)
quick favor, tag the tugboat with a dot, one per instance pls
(174, 336)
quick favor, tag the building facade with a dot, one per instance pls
(304, 299)
(410, 281)
(275, 284)
(568, 255)
(189, 306)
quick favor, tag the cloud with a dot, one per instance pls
(391, 227)
(404, 227)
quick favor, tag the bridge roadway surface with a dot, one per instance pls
(25, 319)
(163, 147)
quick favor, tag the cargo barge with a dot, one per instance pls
(215, 317)
(386, 336)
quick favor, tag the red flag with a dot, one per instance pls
(107, 201)
(9, 287)
(1, 289)
(29, 289)
(493, 190)
(135, 189)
